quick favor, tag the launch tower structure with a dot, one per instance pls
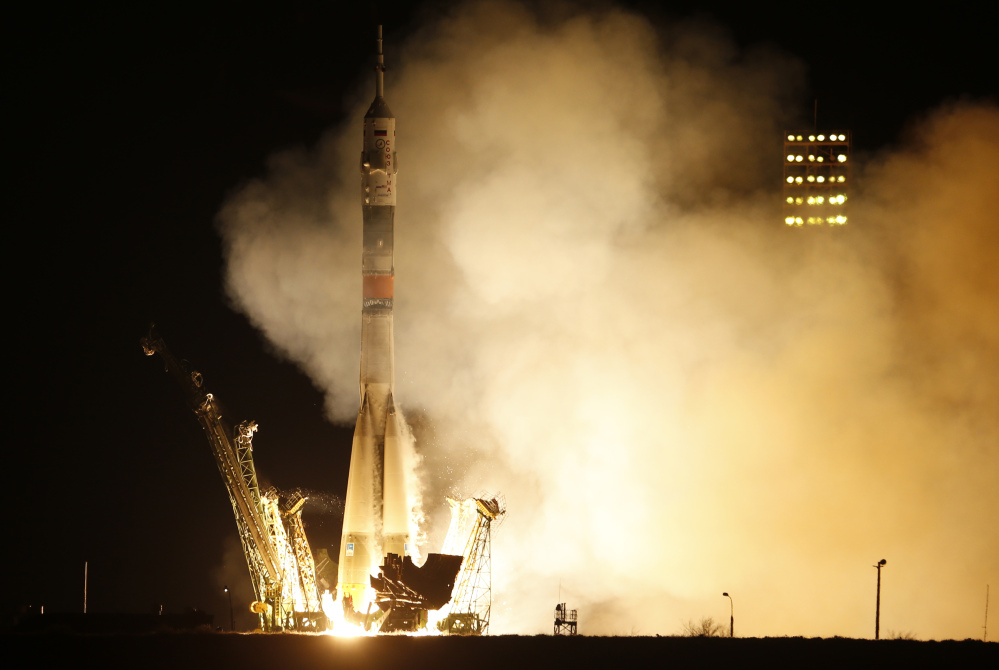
(277, 552)
(471, 523)
(816, 178)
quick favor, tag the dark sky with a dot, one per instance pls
(130, 125)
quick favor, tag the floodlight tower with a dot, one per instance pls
(816, 178)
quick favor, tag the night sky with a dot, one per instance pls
(130, 126)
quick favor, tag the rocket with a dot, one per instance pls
(376, 511)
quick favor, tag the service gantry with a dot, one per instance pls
(470, 535)
(277, 552)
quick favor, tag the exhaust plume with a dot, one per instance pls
(600, 313)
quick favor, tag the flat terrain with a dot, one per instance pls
(223, 650)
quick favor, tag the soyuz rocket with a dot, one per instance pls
(376, 511)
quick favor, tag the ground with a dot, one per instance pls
(208, 650)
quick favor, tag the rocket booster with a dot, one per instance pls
(376, 514)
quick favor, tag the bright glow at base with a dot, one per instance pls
(338, 624)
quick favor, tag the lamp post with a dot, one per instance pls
(232, 621)
(877, 610)
(731, 615)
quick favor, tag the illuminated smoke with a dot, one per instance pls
(600, 313)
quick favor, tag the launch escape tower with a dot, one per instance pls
(816, 178)
(277, 552)
(471, 603)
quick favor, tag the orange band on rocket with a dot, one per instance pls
(378, 286)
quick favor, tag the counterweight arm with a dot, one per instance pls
(235, 462)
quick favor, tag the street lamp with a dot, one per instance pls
(232, 622)
(877, 611)
(731, 615)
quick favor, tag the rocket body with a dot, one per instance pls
(376, 511)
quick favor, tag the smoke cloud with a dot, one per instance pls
(600, 313)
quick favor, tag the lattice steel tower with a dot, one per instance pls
(471, 604)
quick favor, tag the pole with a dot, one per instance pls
(731, 615)
(877, 610)
(985, 636)
(232, 621)
(85, 587)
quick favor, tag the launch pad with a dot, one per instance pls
(405, 593)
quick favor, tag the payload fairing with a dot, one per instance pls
(376, 511)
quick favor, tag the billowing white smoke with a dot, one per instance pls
(600, 313)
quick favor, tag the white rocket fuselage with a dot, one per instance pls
(376, 511)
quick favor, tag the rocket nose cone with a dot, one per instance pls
(379, 109)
